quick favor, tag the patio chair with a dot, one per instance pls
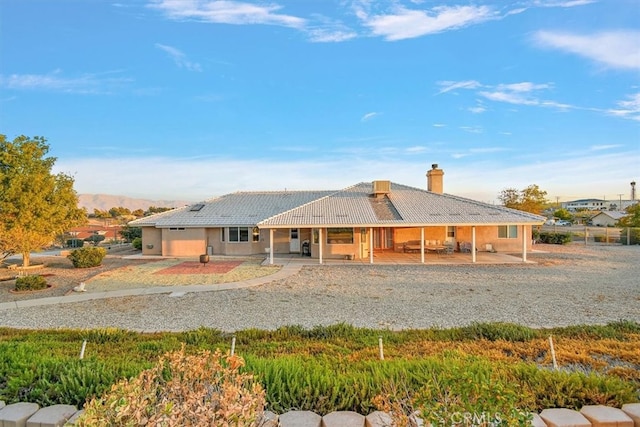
(465, 247)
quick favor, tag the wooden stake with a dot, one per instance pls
(84, 345)
(553, 353)
(381, 348)
(233, 345)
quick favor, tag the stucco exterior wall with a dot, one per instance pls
(151, 241)
(402, 235)
(184, 242)
(489, 235)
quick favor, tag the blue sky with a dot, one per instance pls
(189, 99)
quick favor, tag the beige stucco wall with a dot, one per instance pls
(183, 243)
(194, 241)
(151, 241)
(489, 235)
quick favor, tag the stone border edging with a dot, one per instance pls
(30, 414)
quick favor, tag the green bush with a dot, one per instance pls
(555, 238)
(137, 243)
(95, 238)
(30, 283)
(87, 257)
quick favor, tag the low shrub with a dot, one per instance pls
(30, 283)
(137, 243)
(87, 257)
(182, 390)
(457, 390)
(95, 238)
(555, 238)
(339, 368)
(498, 331)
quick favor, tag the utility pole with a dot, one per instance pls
(620, 205)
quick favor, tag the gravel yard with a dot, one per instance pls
(566, 285)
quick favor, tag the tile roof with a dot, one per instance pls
(352, 206)
(414, 207)
(234, 209)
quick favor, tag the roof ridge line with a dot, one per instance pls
(333, 193)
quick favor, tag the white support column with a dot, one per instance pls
(370, 245)
(525, 237)
(271, 246)
(473, 244)
(320, 245)
(422, 245)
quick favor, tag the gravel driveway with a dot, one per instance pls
(567, 285)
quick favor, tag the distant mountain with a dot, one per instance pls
(105, 202)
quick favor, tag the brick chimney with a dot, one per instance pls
(434, 179)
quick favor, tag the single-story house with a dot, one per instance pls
(607, 218)
(351, 223)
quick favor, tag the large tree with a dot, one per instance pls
(35, 204)
(632, 219)
(531, 199)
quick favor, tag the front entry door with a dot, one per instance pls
(294, 241)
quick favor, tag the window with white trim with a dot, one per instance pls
(508, 231)
(238, 234)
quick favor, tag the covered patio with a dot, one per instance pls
(390, 258)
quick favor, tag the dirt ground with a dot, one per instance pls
(60, 273)
(62, 277)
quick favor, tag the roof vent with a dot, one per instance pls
(381, 188)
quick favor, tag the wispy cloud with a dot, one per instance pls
(369, 116)
(227, 12)
(318, 29)
(604, 147)
(179, 57)
(628, 108)
(530, 94)
(562, 3)
(88, 84)
(416, 149)
(324, 35)
(403, 23)
(524, 93)
(478, 109)
(614, 49)
(472, 129)
(448, 86)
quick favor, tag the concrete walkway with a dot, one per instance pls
(290, 265)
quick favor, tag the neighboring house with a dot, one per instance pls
(586, 204)
(109, 232)
(354, 222)
(607, 218)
